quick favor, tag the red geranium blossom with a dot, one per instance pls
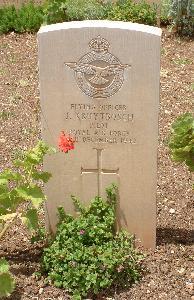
(66, 143)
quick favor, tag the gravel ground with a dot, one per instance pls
(169, 270)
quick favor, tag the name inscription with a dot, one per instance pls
(96, 123)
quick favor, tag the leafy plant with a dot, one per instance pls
(182, 61)
(122, 10)
(7, 18)
(84, 10)
(87, 254)
(181, 142)
(54, 11)
(164, 12)
(21, 185)
(7, 283)
(127, 10)
(69, 10)
(182, 15)
(17, 188)
(27, 18)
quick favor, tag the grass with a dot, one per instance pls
(17, 153)
(23, 83)
(182, 61)
(12, 59)
(28, 131)
(2, 71)
(4, 46)
(15, 98)
(5, 115)
(163, 51)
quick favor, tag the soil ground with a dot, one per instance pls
(169, 270)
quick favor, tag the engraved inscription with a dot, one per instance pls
(94, 123)
(99, 74)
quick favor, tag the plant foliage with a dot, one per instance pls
(23, 185)
(182, 15)
(27, 18)
(87, 254)
(181, 141)
(72, 10)
(128, 10)
(54, 11)
(121, 10)
(7, 283)
(84, 10)
(164, 12)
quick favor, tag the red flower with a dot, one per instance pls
(66, 143)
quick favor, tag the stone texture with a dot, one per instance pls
(99, 81)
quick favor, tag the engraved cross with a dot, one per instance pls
(99, 171)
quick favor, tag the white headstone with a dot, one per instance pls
(99, 81)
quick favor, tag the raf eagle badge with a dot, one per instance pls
(99, 74)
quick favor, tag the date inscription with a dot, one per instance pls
(100, 123)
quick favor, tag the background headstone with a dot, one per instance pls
(99, 81)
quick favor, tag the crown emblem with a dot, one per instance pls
(99, 44)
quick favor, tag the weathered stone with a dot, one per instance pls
(99, 81)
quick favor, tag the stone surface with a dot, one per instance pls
(99, 81)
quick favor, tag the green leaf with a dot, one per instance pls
(18, 163)
(9, 175)
(44, 176)
(33, 193)
(3, 211)
(78, 205)
(33, 158)
(4, 266)
(190, 163)
(9, 200)
(31, 219)
(5, 200)
(36, 155)
(3, 181)
(3, 189)
(181, 142)
(7, 284)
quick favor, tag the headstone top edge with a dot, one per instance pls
(101, 24)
